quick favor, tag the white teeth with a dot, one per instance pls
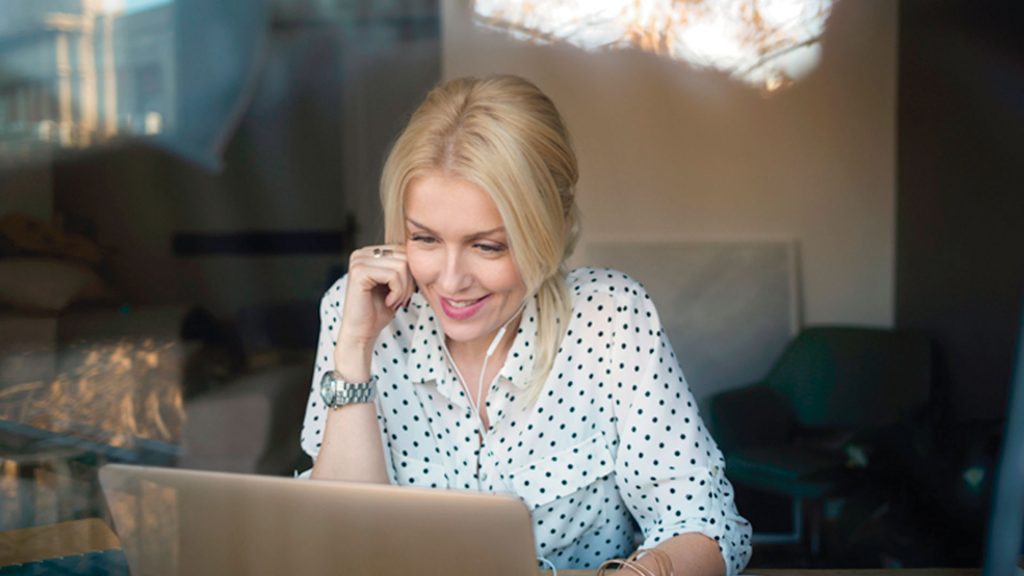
(462, 304)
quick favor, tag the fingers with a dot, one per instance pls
(387, 280)
(382, 266)
(381, 252)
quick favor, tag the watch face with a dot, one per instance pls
(328, 388)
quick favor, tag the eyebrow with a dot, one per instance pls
(468, 237)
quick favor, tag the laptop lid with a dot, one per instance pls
(173, 521)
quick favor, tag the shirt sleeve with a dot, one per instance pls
(668, 469)
(330, 323)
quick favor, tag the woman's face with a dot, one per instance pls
(459, 255)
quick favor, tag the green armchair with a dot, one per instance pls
(790, 433)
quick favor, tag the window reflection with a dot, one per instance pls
(178, 182)
(116, 394)
(766, 43)
(74, 73)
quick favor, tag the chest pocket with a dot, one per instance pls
(413, 472)
(563, 473)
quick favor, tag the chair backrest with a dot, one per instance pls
(853, 378)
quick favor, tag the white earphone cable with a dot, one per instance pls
(475, 405)
(546, 562)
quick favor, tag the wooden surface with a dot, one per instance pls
(93, 534)
(872, 572)
(827, 572)
(55, 540)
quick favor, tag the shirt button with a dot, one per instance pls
(483, 477)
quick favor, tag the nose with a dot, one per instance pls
(455, 277)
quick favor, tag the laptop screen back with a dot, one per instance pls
(173, 522)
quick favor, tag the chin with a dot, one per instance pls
(457, 332)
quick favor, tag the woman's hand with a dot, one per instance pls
(379, 283)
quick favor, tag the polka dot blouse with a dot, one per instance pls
(613, 444)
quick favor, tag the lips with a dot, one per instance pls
(463, 309)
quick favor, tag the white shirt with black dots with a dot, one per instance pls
(613, 442)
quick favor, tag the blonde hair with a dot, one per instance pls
(504, 135)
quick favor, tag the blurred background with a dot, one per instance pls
(823, 197)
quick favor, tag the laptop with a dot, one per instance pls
(187, 522)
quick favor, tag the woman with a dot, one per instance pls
(467, 358)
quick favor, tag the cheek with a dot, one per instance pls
(505, 277)
(421, 267)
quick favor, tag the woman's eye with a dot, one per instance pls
(491, 248)
(423, 239)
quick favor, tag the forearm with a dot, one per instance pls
(351, 448)
(692, 554)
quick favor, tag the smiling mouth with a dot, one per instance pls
(462, 303)
(462, 309)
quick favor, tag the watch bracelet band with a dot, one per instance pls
(356, 393)
(337, 392)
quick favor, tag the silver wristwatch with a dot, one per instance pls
(337, 392)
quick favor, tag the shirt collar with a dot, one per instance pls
(518, 366)
(427, 362)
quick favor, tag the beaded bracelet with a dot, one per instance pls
(663, 560)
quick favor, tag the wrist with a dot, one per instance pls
(337, 392)
(352, 359)
(355, 343)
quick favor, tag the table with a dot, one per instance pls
(61, 539)
(93, 534)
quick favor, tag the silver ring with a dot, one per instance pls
(379, 252)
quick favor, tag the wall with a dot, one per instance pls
(669, 153)
(961, 201)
